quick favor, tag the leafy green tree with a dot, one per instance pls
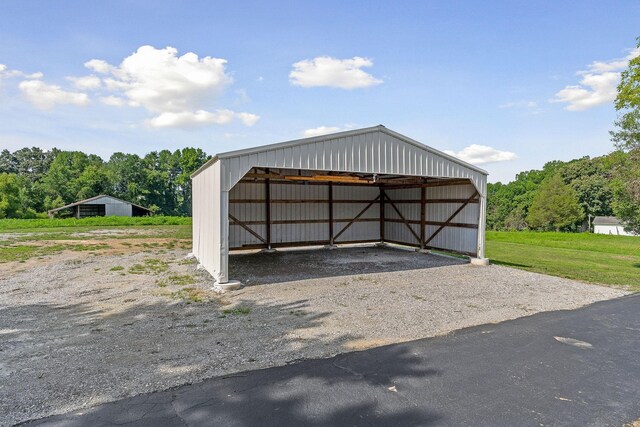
(10, 200)
(626, 190)
(555, 206)
(626, 203)
(63, 179)
(128, 177)
(627, 103)
(591, 178)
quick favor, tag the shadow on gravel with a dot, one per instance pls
(59, 357)
(351, 389)
(302, 264)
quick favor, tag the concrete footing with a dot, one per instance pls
(423, 251)
(269, 251)
(479, 261)
(330, 247)
(380, 245)
(231, 285)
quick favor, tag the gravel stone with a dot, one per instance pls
(74, 334)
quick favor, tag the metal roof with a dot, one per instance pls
(334, 136)
(70, 205)
(606, 220)
(373, 150)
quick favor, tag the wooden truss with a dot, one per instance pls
(330, 180)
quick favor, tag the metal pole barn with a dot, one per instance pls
(366, 185)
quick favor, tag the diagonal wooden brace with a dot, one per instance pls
(354, 219)
(453, 215)
(246, 227)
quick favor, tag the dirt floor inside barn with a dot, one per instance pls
(96, 315)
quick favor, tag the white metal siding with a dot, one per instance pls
(210, 223)
(617, 230)
(376, 151)
(112, 207)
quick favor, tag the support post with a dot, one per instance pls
(267, 211)
(482, 219)
(382, 221)
(422, 215)
(330, 214)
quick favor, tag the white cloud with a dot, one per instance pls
(248, 119)
(113, 101)
(86, 82)
(176, 89)
(186, 119)
(6, 73)
(333, 72)
(519, 104)
(98, 65)
(45, 96)
(598, 84)
(320, 130)
(479, 154)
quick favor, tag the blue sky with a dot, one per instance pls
(508, 85)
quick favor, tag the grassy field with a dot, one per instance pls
(594, 258)
(104, 221)
(39, 238)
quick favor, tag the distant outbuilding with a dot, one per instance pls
(609, 225)
(102, 205)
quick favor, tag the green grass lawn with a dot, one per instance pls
(11, 225)
(594, 258)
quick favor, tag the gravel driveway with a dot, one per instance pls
(78, 329)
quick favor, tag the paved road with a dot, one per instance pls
(510, 374)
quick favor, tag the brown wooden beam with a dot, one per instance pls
(422, 215)
(396, 201)
(267, 209)
(382, 222)
(341, 220)
(327, 178)
(453, 215)
(330, 197)
(440, 183)
(298, 244)
(246, 227)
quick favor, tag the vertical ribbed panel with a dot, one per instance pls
(398, 231)
(376, 151)
(209, 220)
(344, 212)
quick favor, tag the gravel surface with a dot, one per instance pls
(75, 333)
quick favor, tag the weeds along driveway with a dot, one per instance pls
(78, 328)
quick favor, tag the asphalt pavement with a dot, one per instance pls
(563, 368)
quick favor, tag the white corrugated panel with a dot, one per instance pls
(373, 150)
(112, 206)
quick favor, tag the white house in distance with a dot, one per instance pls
(609, 225)
(101, 205)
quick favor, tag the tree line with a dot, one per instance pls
(33, 180)
(560, 196)
(563, 194)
